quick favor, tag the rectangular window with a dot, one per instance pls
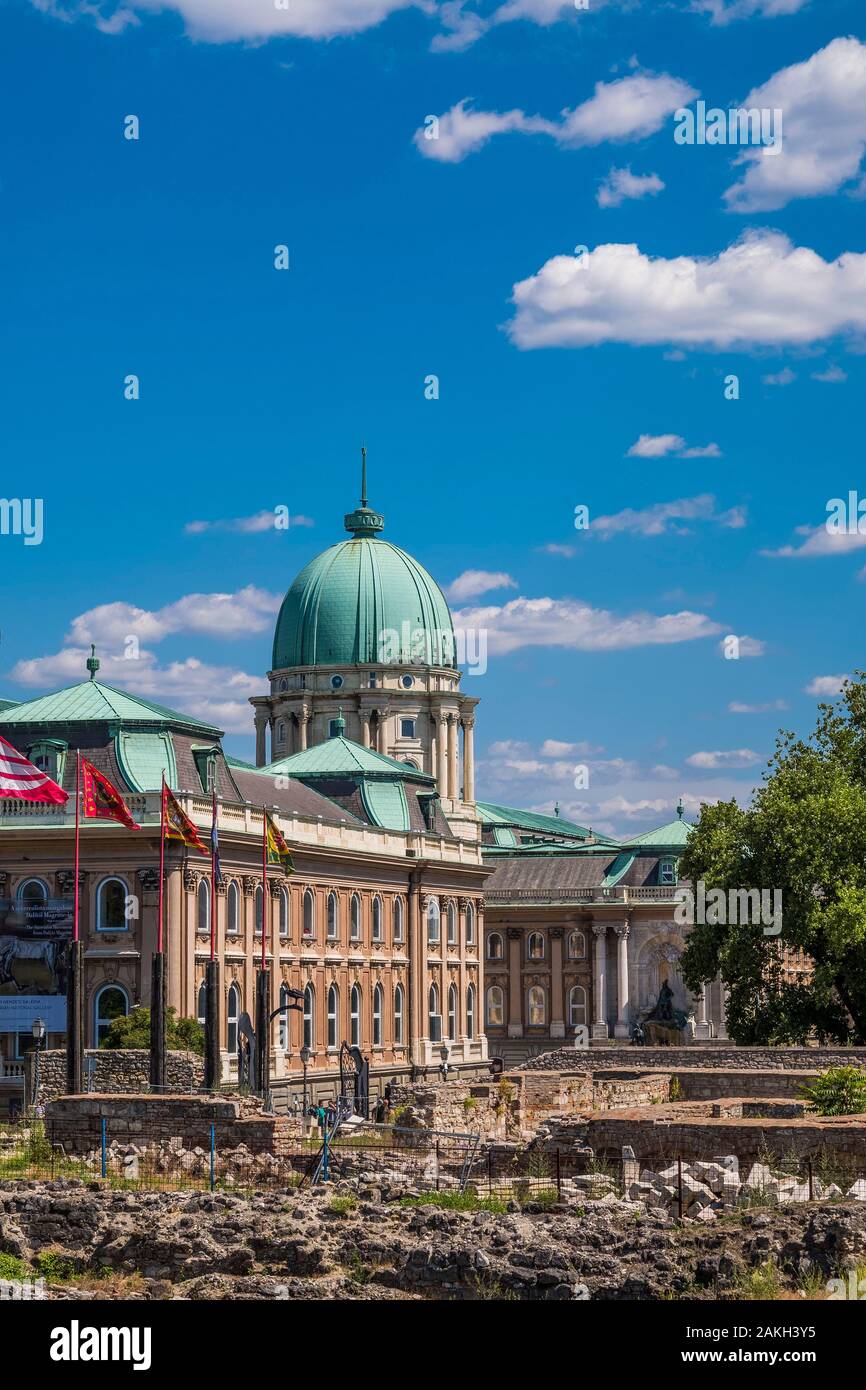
(407, 728)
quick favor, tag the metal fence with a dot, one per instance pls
(398, 1161)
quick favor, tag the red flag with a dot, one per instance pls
(178, 825)
(24, 781)
(103, 800)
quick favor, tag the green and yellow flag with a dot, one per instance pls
(277, 849)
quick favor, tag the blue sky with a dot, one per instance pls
(601, 385)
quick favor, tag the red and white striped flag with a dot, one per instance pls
(24, 781)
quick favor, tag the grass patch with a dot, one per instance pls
(455, 1201)
(11, 1267)
(763, 1282)
(341, 1206)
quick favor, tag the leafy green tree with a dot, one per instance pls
(133, 1030)
(838, 1091)
(804, 834)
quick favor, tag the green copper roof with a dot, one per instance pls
(341, 757)
(491, 814)
(343, 602)
(8, 704)
(385, 804)
(673, 836)
(91, 701)
(618, 869)
(144, 757)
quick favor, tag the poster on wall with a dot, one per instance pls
(33, 941)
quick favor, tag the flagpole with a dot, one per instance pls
(264, 879)
(213, 882)
(212, 1057)
(74, 984)
(263, 983)
(157, 972)
(161, 904)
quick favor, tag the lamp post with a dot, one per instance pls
(38, 1029)
(444, 1053)
(306, 1054)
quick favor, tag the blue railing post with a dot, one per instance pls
(212, 1157)
(104, 1145)
(325, 1174)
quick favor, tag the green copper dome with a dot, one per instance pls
(363, 601)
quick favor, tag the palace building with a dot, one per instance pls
(419, 924)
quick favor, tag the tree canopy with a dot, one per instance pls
(805, 835)
(133, 1030)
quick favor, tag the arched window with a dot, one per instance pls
(452, 1013)
(259, 901)
(452, 924)
(202, 1003)
(377, 1016)
(111, 1002)
(32, 890)
(202, 900)
(398, 1016)
(333, 1015)
(309, 1017)
(309, 913)
(284, 1018)
(495, 947)
(470, 1011)
(233, 909)
(535, 946)
(333, 924)
(536, 1007)
(111, 905)
(377, 918)
(577, 1006)
(433, 1011)
(284, 912)
(233, 1009)
(397, 919)
(355, 1016)
(470, 925)
(281, 732)
(495, 1007)
(576, 945)
(433, 921)
(355, 930)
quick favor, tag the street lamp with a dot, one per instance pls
(306, 1054)
(38, 1030)
(444, 1054)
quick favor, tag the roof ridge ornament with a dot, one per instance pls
(363, 521)
(92, 662)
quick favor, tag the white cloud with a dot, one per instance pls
(782, 378)
(621, 184)
(220, 615)
(654, 446)
(734, 757)
(823, 101)
(553, 548)
(726, 11)
(820, 541)
(548, 622)
(747, 646)
(664, 518)
(553, 748)
(259, 521)
(473, 582)
(225, 21)
(627, 109)
(831, 374)
(737, 707)
(826, 685)
(762, 290)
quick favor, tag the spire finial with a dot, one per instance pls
(363, 522)
(680, 809)
(92, 662)
(363, 475)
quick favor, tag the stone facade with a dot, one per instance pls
(113, 1071)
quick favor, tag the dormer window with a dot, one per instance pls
(668, 871)
(49, 755)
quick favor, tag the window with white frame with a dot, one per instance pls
(285, 1000)
(355, 918)
(355, 1016)
(202, 1004)
(258, 910)
(202, 896)
(451, 918)
(434, 927)
(576, 945)
(470, 925)
(309, 913)
(433, 1008)
(495, 1006)
(333, 925)
(111, 905)
(667, 871)
(377, 918)
(333, 1016)
(233, 909)
(536, 1007)
(284, 912)
(111, 1002)
(577, 1006)
(452, 1013)
(309, 1017)
(233, 1009)
(398, 1015)
(535, 946)
(397, 919)
(470, 1011)
(32, 890)
(377, 1016)
(495, 946)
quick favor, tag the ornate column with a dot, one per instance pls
(304, 719)
(557, 1021)
(441, 753)
(703, 1028)
(382, 732)
(621, 1029)
(723, 1009)
(261, 737)
(599, 983)
(452, 757)
(468, 758)
(365, 727)
(515, 987)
